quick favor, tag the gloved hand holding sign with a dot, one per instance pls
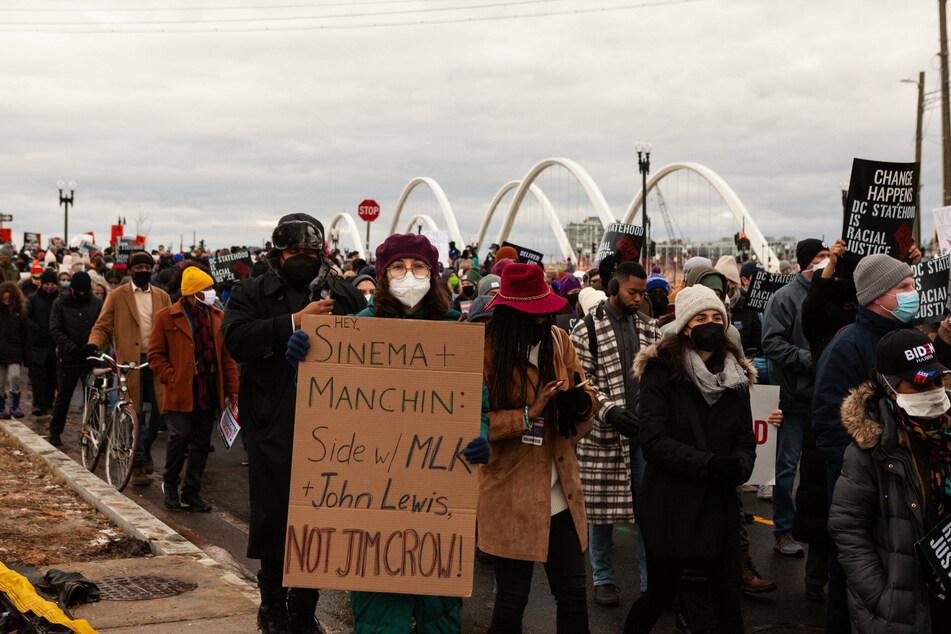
(297, 347)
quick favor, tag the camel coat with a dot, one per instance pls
(118, 324)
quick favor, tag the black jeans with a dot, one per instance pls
(566, 578)
(191, 431)
(43, 379)
(666, 578)
(67, 377)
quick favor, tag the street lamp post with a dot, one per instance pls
(644, 165)
(66, 201)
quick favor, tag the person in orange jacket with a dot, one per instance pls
(188, 355)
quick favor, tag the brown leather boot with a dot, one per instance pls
(139, 477)
(751, 581)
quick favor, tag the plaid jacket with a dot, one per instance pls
(604, 456)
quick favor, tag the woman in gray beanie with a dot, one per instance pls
(697, 436)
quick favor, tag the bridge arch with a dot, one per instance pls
(584, 179)
(425, 219)
(757, 241)
(563, 243)
(451, 225)
(351, 225)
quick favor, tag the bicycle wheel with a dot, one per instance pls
(90, 435)
(123, 442)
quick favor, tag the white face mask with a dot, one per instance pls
(409, 289)
(207, 297)
(924, 405)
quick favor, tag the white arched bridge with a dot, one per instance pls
(691, 209)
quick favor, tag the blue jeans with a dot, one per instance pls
(599, 537)
(148, 424)
(788, 448)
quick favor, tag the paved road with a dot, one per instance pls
(225, 486)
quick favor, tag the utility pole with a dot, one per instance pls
(945, 106)
(916, 231)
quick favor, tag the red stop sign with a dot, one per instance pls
(368, 210)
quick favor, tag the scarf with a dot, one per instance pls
(205, 383)
(711, 385)
(938, 441)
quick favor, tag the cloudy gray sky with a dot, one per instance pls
(214, 132)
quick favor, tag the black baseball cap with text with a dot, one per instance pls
(909, 355)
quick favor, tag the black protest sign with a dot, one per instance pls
(31, 241)
(624, 241)
(880, 210)
(123, 251)
(231, 267)
(525, 255)
(931, 281)
(87, 247)
(763, 286)
(935, 550)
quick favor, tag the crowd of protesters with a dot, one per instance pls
(632, 390)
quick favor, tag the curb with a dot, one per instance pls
(126, 514)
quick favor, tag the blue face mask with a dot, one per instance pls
(907, 306)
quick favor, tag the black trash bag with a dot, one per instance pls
(74, 589)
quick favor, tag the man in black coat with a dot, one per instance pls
(71, 320)
(39, 309)
(262, 314)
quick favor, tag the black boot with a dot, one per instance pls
(301, 605)
(272, 615)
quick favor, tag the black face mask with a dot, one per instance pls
(707, 337)
(540, 330)
(80, 297)
(468, 291)
(142, 279)
(659, 304)
(301, 269)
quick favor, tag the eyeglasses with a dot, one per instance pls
(398, 271)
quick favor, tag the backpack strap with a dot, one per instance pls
(592, 338)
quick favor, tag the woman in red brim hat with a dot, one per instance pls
(530, 503)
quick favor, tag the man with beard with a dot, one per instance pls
(126, 321)
(263, 313)
(609, 458)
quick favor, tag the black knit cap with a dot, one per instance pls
(807, 249)
(140, 257)
(49, 277)
(80, 282)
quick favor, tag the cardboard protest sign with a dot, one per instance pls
(123, 251)
(381, 498)
(31, 241)
(525, 255)
(231, 267)
(625, 242)
(880, 210)
(931, 281)
(6, 235)
(440, 240)
(763, 400)
(763, 286)
(942, 225)
(228, 427)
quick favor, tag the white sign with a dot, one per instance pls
(764, 399)
(942, 224)
(440, 240)
(228, 426)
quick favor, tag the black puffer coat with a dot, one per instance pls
(256, 327)
(676, 485)
(876, 518)
(71, 322)
(14, 338)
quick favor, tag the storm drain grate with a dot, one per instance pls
(142, 587)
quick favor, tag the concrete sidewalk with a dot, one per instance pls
(208, 597)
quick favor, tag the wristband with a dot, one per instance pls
(525, 420)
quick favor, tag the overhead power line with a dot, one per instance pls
(78, 28)
(248, 7)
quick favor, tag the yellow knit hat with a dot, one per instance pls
(194, 280)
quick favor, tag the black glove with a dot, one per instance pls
(726, 468)
(86, 351)
(623, 420)
(573, 407)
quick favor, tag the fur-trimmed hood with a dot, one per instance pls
(651, 354)
(865, 431)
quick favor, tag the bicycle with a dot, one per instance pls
(111, 431)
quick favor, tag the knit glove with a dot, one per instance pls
(622, 420)
(573, 407)
(728, 469)
(477, 451)
(297, 348)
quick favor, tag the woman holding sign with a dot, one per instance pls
(408, 287)
(697, 436)
(531, 507)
